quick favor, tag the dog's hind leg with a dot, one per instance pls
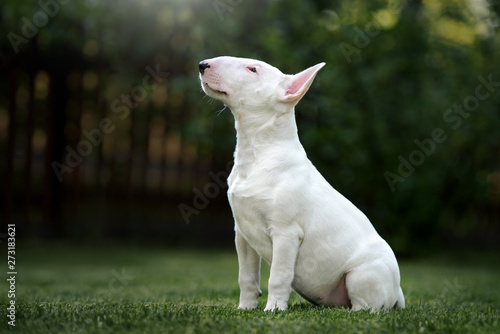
(401, 300)
(373, 286)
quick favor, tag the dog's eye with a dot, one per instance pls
(253, 69)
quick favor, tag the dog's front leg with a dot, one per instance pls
(249, 273)
(285, 250)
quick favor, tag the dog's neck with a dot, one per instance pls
(260, 132)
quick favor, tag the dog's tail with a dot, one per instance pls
(401, 300)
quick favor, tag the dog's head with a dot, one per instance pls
(250, 84)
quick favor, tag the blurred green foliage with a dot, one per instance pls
(395, 70)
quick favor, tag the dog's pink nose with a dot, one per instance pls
(203, 66)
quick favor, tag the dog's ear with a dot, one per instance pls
(295, 86)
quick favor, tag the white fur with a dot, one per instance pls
(285, 212)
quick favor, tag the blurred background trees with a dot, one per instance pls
(106, 134)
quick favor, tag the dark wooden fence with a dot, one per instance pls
(72, 131)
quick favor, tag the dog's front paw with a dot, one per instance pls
(247, 305)
(274, 305)
(248, 300)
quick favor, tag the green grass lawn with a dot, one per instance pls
(129, 289)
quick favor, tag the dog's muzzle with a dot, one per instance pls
(203, 66)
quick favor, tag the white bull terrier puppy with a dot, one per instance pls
(316, 241)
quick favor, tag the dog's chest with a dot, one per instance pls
(250, 198)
